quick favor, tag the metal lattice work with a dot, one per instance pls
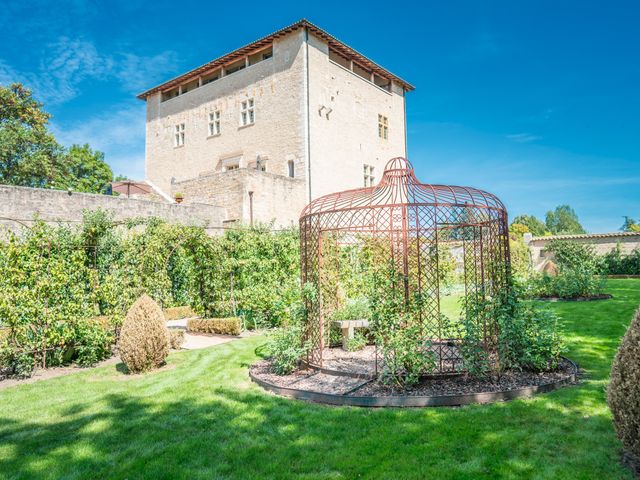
(403, 223)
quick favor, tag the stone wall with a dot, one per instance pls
(344, 134)
(602, 243)
(275, 197)
(19, 205)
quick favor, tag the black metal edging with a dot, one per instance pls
(419, 401)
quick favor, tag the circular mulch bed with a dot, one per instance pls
(322, 387)
(603, 296)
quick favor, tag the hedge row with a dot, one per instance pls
(222, 326)
(178, 313)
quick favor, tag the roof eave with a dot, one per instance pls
(242, 51)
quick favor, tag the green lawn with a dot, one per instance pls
(202, 418)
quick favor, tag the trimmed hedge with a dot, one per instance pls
(223, 326)
(178, 313)
(144, 339)
(176, 338)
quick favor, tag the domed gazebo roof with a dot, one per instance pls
(399, 187)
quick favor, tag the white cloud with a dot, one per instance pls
(119, 133)
(69, 62)
(138, 73)
(523, 137)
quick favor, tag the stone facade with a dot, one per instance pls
(602, 243)
(273, 196)
(314, 118)
(19, 206)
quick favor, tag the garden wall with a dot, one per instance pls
(19, 205)
(602, 243)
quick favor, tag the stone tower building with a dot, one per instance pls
(265, 129)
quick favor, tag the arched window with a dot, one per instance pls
(291, 169)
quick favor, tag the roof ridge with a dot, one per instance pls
(303, 22)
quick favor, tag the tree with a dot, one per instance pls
(517, 230)
(30, 156)
(563, 221)
(87, 170)
(630, 225)
(535, 226)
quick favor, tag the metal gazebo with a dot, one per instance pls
(406, 221)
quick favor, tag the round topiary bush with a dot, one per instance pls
(144, 338)
(623, 395)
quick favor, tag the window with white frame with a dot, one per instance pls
(178, 135)
(369, 177)
(247, 112)
(383, 127)
(214, 123)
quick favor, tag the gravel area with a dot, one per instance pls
(453, 385)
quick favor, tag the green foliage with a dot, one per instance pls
(53, 277)
(521, 266)
(395, 324)
(533, 224)
(286, 347)
(354, 309)
(358, 342)
(578, 272)
(406, 357)
(572, 255)
(563, 221)
(615, 263)
(527, 337)
(92, 343)
(252, 273)
(569, 283)
(30, 155)
(630, 225)
(86, 170)
(46, 288)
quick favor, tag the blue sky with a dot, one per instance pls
(535, 101)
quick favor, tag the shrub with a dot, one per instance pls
(358, 342)
(176, 338)
(615, 263)
(222, 326)
(144, 339)
(573, 255)
(93, 343)
(354, 309)
(623, 394)
(286, 347)
(528, 336)
(569, 283)
(406, 357)
(177, 313)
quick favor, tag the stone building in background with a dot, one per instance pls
(265, 129)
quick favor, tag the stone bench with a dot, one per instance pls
(348, 327)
